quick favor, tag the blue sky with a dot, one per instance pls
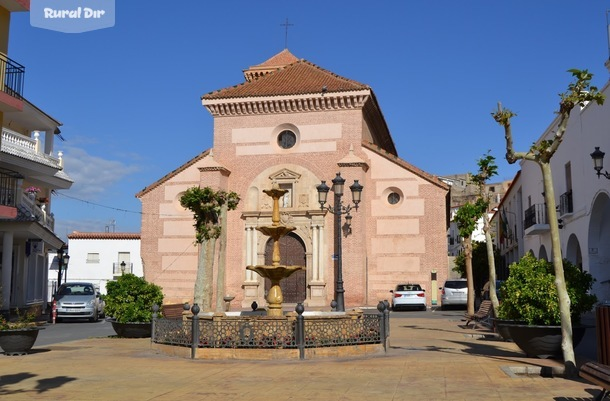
(129, 96)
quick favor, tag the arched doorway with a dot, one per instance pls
(292, 252)
(542, 254)
(599, 246)
(573, 253)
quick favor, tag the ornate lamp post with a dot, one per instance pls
(598, 162)
(122, 268)
(337, 210)
(62, 262)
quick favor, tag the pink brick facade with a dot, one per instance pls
(338, 128)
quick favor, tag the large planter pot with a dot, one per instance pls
(501, 326)
(542, 341)
(132, 330)
(18, 341)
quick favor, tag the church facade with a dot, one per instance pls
(296, 124)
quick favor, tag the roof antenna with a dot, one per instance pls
(286, 24)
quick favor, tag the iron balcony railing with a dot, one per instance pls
(118, 269)
(565, 203)
(535, 214)
(11, 74)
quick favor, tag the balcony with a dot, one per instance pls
(565, 204)
(11, 77)
(119, 269)
(535, 221)
(24, 147)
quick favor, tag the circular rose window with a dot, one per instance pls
(286, 139)
(393, 198)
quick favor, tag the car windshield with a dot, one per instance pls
(456, 284)
(76, 289)
(408, 287)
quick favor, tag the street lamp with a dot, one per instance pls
(122, 267)
(62, 262)
(338, 209)
(598, 162)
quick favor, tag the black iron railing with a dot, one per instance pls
(11, 74)
(535, 214)
(261, 333)
(565, 203)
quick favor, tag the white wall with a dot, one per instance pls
(99, 273)
(588, 127)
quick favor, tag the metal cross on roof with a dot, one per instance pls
(286, 24)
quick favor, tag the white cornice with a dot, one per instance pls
(287, 103)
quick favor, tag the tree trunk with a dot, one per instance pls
(208, 287)
(564, 298)
(200, 278)
(469, 279)
(222, 262)
(491, 261)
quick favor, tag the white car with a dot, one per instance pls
(78, 300)
(409, 296)
(454, 293)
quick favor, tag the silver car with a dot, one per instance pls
(78, 300)
(454, 292)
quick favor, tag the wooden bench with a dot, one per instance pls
(599, 374)
(482, 316)
(172, 311)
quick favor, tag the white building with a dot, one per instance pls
(583, 200)
(99, 257)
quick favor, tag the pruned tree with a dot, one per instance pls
(206, 205)
(466, 218)
(480, 263)
(487, 169)
(579, 92)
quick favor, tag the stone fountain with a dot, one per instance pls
(275, 272)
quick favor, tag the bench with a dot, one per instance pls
(172, 311)
(482, 316)
(599, 374)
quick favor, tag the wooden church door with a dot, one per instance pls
(292, 252)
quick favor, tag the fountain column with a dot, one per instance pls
(276, 272)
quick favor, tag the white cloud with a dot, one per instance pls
(93, 175)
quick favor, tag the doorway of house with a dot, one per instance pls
(292, 252)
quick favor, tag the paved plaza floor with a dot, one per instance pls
(427, 359)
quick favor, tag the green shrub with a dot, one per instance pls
(130, 299)
(530, 293)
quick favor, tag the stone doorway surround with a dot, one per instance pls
(311, 231)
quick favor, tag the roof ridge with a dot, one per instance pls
(266, 83)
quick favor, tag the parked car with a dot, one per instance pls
(409, 296)
(78, 300)
(454, 293)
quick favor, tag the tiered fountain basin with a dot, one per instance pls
(254, 336)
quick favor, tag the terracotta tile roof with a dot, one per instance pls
(415, 170)
(298, 78)
(281, 59)
(173, 173)
(103, 235)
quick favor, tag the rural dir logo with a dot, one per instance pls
(72, 16)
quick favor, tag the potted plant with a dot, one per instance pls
(129, 302)
(32, 192)
(530, 295)
(18, 338)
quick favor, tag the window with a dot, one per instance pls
(286, 139)
(393, 198)
(93, 258)
(286, 200)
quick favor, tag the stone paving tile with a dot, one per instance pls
(427, 360)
